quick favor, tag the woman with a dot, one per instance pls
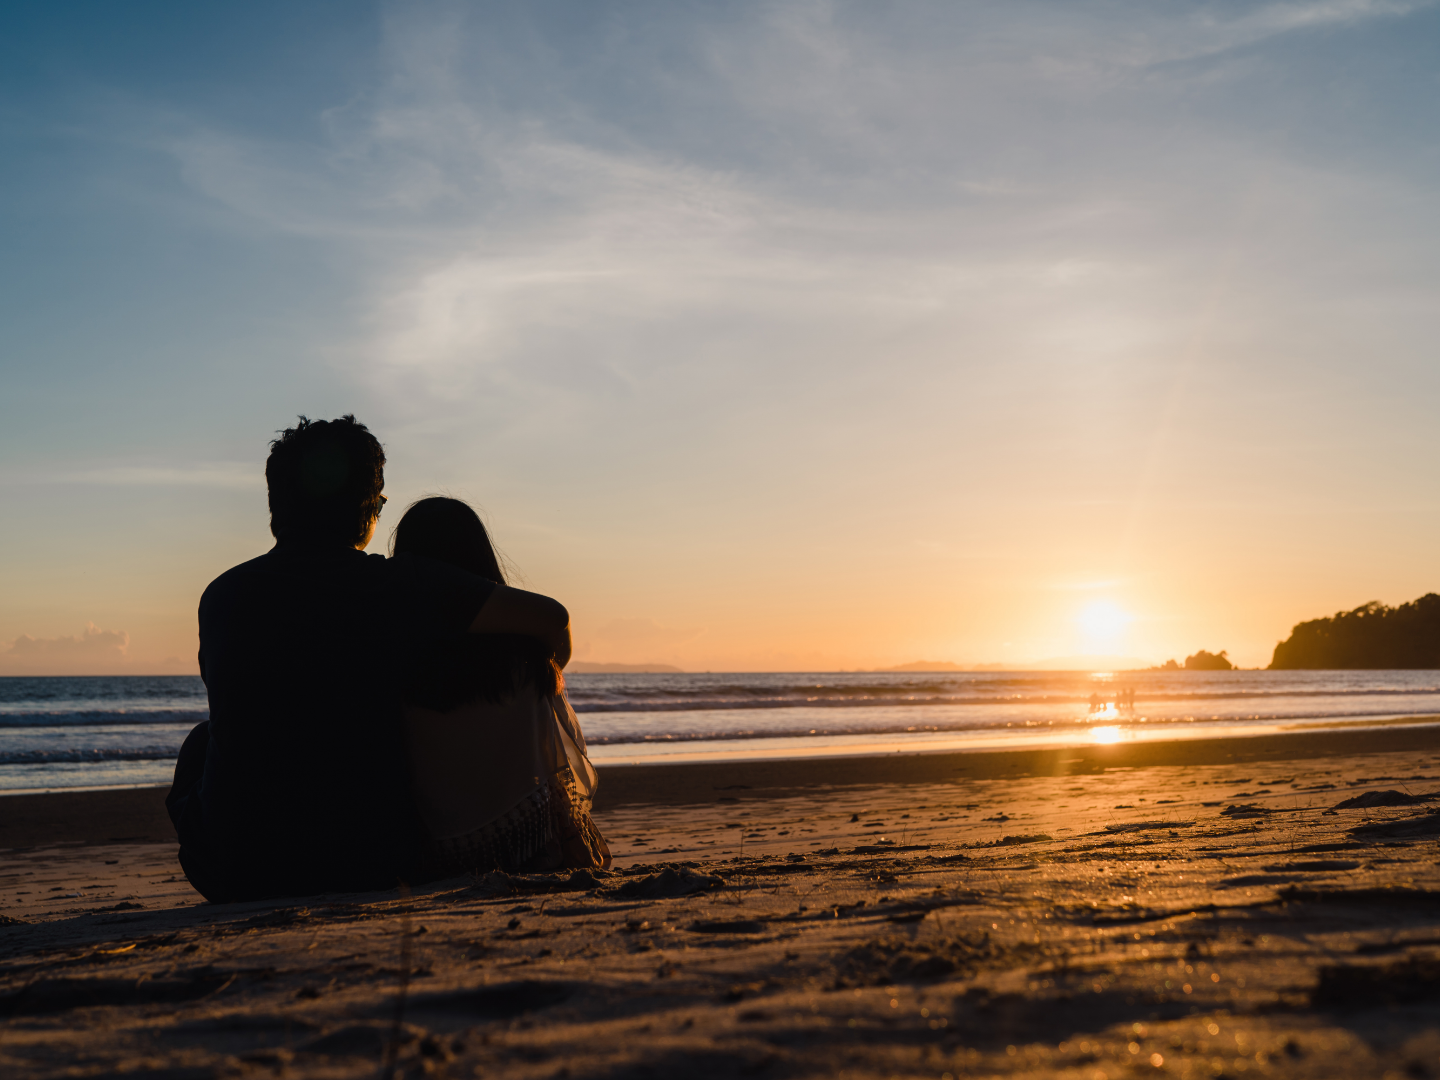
(497, 761)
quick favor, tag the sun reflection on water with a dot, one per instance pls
(1103, 735)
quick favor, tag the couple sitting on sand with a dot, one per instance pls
(376, 721)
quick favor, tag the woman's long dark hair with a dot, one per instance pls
(492, 667)
(448, 530)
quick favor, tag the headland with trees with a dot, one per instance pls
(1372, 636)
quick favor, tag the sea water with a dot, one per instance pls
(102, 731)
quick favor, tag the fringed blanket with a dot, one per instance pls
(504, 787)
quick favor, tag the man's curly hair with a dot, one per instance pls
(325, 478)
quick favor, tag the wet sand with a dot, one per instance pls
(1123, 911)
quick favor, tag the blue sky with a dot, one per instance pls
(769, 335)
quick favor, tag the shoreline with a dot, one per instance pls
(137, 814)
(1099, 731)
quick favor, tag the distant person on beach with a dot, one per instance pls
(298, 783)
(497, 759)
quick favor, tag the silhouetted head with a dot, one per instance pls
(325, 478)
(448, 530)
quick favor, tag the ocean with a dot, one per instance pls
(103, 731)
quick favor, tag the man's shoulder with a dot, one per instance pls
(246, 568)
(238, 579)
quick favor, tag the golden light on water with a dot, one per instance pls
(1105, 735)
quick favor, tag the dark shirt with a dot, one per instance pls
(305, 653)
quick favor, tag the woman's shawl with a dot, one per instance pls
(503, 785)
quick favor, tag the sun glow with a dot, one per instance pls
(1102, 625)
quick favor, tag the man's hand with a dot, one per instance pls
(515, 611)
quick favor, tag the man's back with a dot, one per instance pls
(305, 651)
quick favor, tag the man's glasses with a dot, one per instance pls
(383, 501)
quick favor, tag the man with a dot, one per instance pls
(297, 784)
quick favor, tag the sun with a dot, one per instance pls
(1102, 625)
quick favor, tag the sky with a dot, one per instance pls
(765, 336)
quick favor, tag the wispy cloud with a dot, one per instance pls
(1282, 18)
(214, 475)
(996, 186)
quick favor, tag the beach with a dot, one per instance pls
(1264, 906)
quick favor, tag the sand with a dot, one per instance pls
(1202, 910)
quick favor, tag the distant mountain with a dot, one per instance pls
(589, 667)
(1370, 637)
(926, 665)
(1058, 663)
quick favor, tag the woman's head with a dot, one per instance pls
(448, 530)
(467, 667)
